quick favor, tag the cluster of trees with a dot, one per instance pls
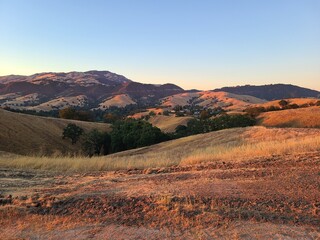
(72, 113)
(126, 134)
(52, 113)
(196, 126)
(130, 133)
(255, 111)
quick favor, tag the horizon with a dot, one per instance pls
(188, 89)
(205, 45)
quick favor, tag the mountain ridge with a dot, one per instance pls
(272, 91)
(102, 88)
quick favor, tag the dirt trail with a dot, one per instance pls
(261, 198)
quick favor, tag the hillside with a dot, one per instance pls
(301, 117)
(43, 91)
(168, 123)
(33, 135)
(210, 99)
(242, 183)
(272, 91)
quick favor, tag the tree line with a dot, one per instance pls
(131, 133)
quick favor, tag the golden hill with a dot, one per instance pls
(209, 99)
(34, 135)
(300, 117)
(168, 123)
(298, 101)
(236, 145)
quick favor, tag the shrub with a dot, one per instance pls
(73, 132)
(133, 133)
(96, 143)
(283, 103)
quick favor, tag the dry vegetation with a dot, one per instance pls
(261, 198)
(301, 117)
(298, 101)
(33, 135)
(168, 123)
(242, 183)
(215, 146)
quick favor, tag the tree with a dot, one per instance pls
(204, 114)
(67, 113)
(96, 143)
(283, 103)
(71, 113)
(110, 117)
(133, 133)
(73, 132)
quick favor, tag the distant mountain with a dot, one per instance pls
(272, 91)
(47, 91)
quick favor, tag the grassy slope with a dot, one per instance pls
(299, 101)
(168, 123)
(302, 117)
(238, 144)
(27, 134)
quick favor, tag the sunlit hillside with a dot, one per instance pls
(237, 144)
(168, 123)
(209, 99)
(34, 135)
(301, 117)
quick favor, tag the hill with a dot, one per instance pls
(300, 118)
(44, 91)
(242, 183)
(168, 123)
(272, 91)
(299, 101)
(210, 99)
(33, 135)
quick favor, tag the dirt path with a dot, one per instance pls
(276, 197)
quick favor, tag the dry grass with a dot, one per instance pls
(231, 144)
(168, 123)
(27, 134)
(299, 101)
(301, 117)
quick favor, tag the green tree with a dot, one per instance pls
(73, 132)
(283, 103)
(96, 143)
(131, 133)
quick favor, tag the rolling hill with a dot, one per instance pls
(168, 123)
(96, 87)
(211, 99)
(300, 118)
(34, 135)
(272, 91)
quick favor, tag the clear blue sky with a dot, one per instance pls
(195, 44)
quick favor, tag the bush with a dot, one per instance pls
(96, 143)
(71, 113)
(196, 126)
(73, 132)
(283, 103)
(254, 111)
(133, 133)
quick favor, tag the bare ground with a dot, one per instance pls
(263, 198)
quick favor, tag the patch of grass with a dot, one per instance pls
(226, 145)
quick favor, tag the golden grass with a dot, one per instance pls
(235, 152)
(299, 101)
(237, 144)
(168, 123)
(27, 134)
(301, 117)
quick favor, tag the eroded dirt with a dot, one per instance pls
(276, 197)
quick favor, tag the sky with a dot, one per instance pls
(195, 44)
